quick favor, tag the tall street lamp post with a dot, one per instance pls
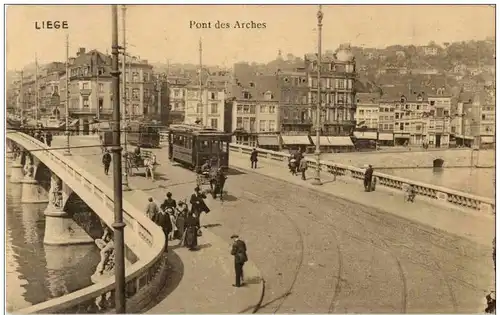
(124, 101)
(118, 225)
(317, 179)
(67, 152)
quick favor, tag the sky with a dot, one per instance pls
(162, 32)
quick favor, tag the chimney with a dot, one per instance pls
(81, 51)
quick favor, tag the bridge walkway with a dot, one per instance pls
(197, 282)
(321, 253)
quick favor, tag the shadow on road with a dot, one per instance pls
(175, 272)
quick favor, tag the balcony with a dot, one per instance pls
(85, 92)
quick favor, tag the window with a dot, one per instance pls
(401, 127)
(239, 109)
(252, 84)
(272, 125)
(146, 77)
(246, 123)
(246, 95)
(144, 109)
(101, 103)
(272, 109)
(213, 95)
(341, 84)
(85, 86)
(135, 76)
(135, 94)
(433, 102)
(101, 87)
(361, 112)
(246, 109)
(239, 122)
(213, 123)
(85, 102)
(176, 93)
(262, 125)
(252, 109)
(204, 146)
(199, 108)
(56, 89)
(263, 108)
(214, 108)
(483, 117)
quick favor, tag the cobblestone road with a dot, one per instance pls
(324, 254)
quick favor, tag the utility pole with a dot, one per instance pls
(66, 102)
(317, 178)
(21, 98)
(118, 225)
(98, 93)
(124, 100)
(36, 89)
(204, 122)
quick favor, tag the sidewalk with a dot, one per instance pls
(199, 281)
(475, 226)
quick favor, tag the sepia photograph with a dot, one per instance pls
(250, 158)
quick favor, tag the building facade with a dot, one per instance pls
(90, 92)
(210, 111)
(337, 79)
(256, 111)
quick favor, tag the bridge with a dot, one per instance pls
(333, 248)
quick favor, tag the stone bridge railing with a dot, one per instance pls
(442, 194)
(144, 238)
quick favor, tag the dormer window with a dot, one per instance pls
(286, 79)
(246, 95)
(403, 99)
(268, 96)
(420, 97)
(252, 84)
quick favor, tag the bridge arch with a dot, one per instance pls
(83, 216)
(43, 175)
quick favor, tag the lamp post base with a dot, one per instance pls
(126, 187)
(317, 182)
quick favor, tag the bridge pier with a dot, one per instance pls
(60, 228)
(31, 191)
(16, 169)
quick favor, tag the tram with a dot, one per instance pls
(192, 145)
(143, 134)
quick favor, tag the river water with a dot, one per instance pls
(36, 272)
(456, 174)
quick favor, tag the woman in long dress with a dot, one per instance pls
(191, 233)
(181, 220)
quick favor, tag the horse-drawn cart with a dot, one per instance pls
(144, 163)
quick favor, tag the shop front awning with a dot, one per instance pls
(487, 139)
(386, 136)
(296, 140)
(268, 140)
(74, 122)
(464, 137)
(323, 141)
(365, 135)
(402, 136)
(340, 141)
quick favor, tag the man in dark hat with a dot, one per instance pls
(368, 178)
(239, 251)
(198, 205)
(106, 161)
